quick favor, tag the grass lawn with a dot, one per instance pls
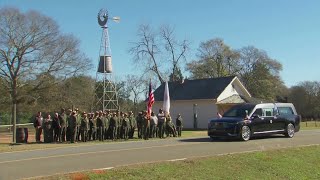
(310, 125)
(291, 163)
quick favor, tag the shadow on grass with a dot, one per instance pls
(228, 139)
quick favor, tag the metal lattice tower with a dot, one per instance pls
(106, 97)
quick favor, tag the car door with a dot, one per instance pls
(259, 122)
(268, 115)
(281, 119)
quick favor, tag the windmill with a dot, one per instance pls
(106, 97)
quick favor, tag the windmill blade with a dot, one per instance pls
(116, 19)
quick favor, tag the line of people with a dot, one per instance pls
(74, 126)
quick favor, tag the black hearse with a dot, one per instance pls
(246, 120)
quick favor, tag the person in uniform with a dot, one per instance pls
(133, 125)
(100, 126)
(146, 121)
(63, 124)
(179, 124)
(68, 131)
(125, 126)
(106, 124)
(161, 123)
(153, 125)
(114, 126)
(120, 130)
(38, 126)
(72, 126)
(140, 124)
(92, 131)
(171, 130)
(56, 128)
(84, 127)
(78, 116)
(47, 129)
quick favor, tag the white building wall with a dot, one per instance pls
(206, 109)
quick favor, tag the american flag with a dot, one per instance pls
(150, 100)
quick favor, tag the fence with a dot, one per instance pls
(8, 128)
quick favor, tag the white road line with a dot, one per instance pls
(172, 160)
(100, 169)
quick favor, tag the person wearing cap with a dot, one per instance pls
(72, 126)
(153, 125)
(114, 126)
(170, 128)
(179, 124)
(106, 124)
(78, 116)
(139, 119)
(93, 127)
(84, 127)
(100, 126)
(120, 130)
(63, 124)
(56, 128)
(146, 120)
(125, 126)
(68, 131)
(161, 123)
(133, 125)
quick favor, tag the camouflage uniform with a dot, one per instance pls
(100, 127)
(140, 125)
(179, 124)
(161, 123)
(125, 127)
(63, 124)
(72, 126)
(170, 128)
(114, 126)
(146, 121)
(133, 125)
(84, 127)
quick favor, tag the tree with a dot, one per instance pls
(215, 59)
(31, 45)
(155, 51)
(260, 74)
(134, 85)
(306, 98)
(177, 76)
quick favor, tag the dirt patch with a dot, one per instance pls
(98, 171)
(79, 176)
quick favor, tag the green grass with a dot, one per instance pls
(308, 125)
(294, 163)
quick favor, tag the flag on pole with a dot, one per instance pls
(166, 99)
(150, 100)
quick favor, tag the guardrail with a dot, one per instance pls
(26, 124)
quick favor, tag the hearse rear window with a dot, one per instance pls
(285, 110)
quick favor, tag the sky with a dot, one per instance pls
(288, 30)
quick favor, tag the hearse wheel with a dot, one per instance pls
(245, 133)
(289, 130)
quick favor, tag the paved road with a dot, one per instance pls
(27, 164)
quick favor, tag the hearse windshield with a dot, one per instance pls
(239, 110)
